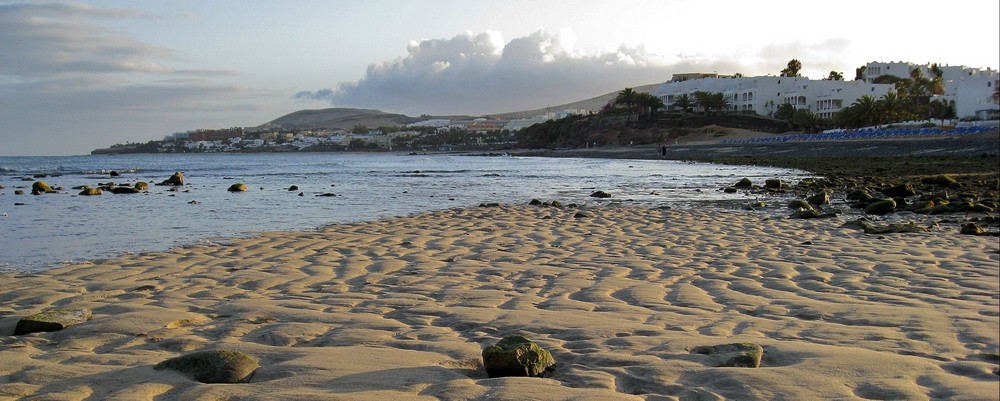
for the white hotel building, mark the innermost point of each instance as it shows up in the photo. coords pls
(969, 89)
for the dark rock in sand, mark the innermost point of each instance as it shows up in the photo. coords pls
(744, 183)
(737, 355)
(218, 366)
(881, 207)
(516, 356)
(175, 179)
(52, 320)
(895, 228)
(811, 214)
(238, 187)
(600, 194)
(972, 229)
(40, 187)
(491, 204)
(535, 202)
(580, 215)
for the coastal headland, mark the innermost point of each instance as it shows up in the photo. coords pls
(631, 302)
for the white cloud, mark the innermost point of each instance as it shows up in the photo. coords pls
(480, 73)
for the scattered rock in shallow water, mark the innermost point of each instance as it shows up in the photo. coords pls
(900, 190)
(600, 194)
(859, 195)
(142, 186)
(516, 356)
(114, 173)
(799, 204)
(124, 190)
(535, 202)
(972, 229)
(18, 192)
(327, 194)
(88, 191)
(822, 198)
(238, 187)
(175, 179)
(293, 188)
(737, 355)
(490, 204)
(744, 183)
(218, 366)
(52, 320)
(40, 187)
(881, 207)
(775, 184)
(730, 190)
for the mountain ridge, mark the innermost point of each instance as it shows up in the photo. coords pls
(347, 118)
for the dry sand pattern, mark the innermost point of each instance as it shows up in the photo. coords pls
(402, 308)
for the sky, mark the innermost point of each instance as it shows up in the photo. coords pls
(75, 76)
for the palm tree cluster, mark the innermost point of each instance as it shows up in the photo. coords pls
(641, 103)
(716, 102)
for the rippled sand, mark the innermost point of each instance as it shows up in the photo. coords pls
(402, 308)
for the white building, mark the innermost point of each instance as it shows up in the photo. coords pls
(969, 90)
(763, 95)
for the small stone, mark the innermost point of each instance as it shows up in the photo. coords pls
(40, 187)
(535, 202)
(600, 194)
(142, 186)
(774, 184)
(124, 190)
(881, 207)
(972, 229)
(516, 356)
(293, 188)
(88, 191)
(238, 187)
(743, 183)
(730, 190)
(52, 320)
(218, 366)
(822, 198)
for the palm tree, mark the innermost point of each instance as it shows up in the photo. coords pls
(792, 69)
(865, 112)
(719, 102)
(835, 76)
(684, 102)
(892, 107)
(648, 104)
(627, 97)
(703, 100)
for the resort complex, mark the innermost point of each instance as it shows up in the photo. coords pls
(969, 92)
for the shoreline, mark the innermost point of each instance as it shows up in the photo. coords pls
(403, 307)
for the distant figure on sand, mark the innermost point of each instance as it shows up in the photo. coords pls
(663, 150)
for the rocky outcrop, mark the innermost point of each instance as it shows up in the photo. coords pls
(516, 356)
(176, 179)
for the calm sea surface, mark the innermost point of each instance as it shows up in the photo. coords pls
(39, 232)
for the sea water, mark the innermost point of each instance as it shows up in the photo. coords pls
(39, 232)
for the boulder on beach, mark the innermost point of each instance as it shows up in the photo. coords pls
(142, 186)
(895, 228)
(821, 198)
(238, 187)
(600, 194)
(881, 207)
(775, 184)
(743, 183)
(40, 187)
(175, 179)
(218, 366)
(516, 356)
(799, 204)
(736, 355)
(730, 190)
(52, 320)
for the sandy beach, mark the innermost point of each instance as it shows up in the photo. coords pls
(402, 309)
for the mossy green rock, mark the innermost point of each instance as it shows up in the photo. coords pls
(939, 180)
(516, 356)
(881, 207)
(218, 366)
(745, 182)
(142, 186)
(40, 187)
(737, 355)
(52, 320)
(88, 191)
(238, 187)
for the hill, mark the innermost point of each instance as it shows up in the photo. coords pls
(347, 118)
